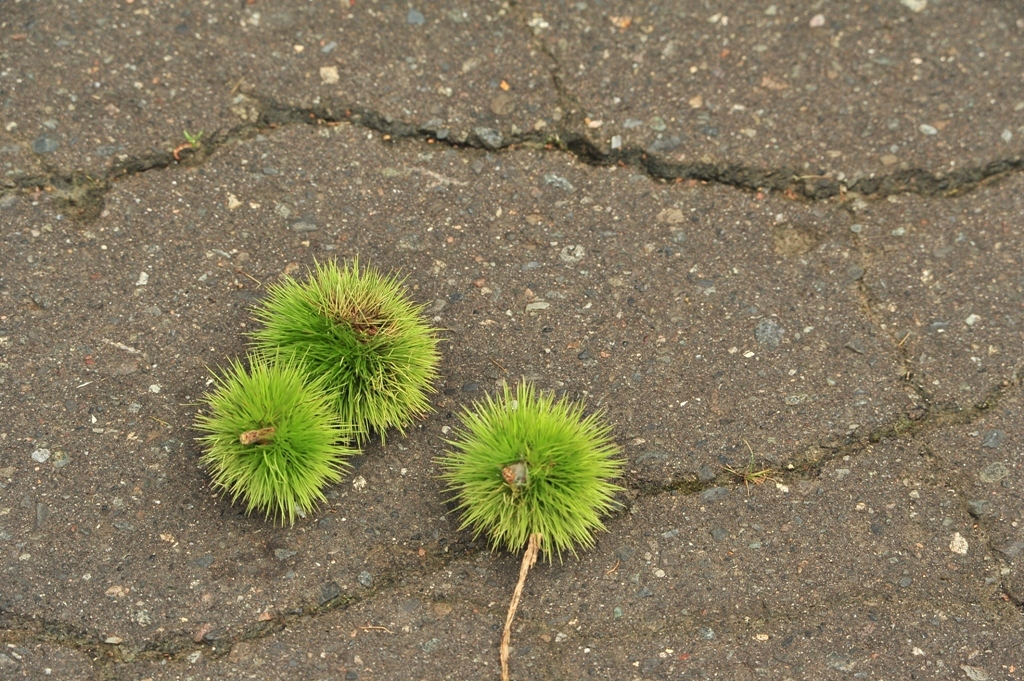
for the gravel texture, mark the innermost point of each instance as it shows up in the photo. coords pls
(809, 348)
(947, 284)
(850, 93)
(109, 88)
(807, 579)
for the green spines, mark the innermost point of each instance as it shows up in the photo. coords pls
(526, 463)
(339, 356)
(272, 437)
(359, 332)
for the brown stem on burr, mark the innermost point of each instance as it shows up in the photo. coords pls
(529, 558)
(263, 436)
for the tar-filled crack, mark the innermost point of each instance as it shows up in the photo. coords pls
(84, 194)
(808, 464)
(105, 654)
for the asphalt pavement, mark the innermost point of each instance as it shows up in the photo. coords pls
(780, 247)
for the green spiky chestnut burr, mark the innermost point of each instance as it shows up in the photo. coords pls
(526, 464)
(273, 438)
(532, 472)
(358, 330)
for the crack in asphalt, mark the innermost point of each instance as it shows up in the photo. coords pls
(929, 416)
(869, 303)
(216, 643)
(84, 194)
(808, 464)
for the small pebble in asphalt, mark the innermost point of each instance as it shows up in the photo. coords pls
(977, 507)
(329, 592)
(572, 254)
(45, 145)
(558, 182)
(42, 513)
(993, 439)
(768, 333)
(857, 345)
(415, 17)
(366, 579)
(204, 561)
(714, 494)
(994, 472)
(663, 145)
(489, 138)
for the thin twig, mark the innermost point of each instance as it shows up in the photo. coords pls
(373, 627)
(258, 282)
(121, 346)
(529, 558)
(495, 362)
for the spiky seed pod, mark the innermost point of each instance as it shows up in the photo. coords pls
(359, 331)
(272, 438)
(527, 464)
